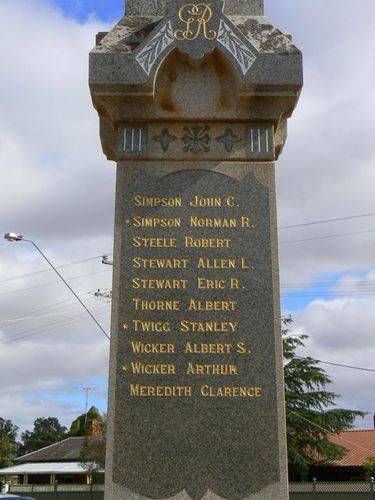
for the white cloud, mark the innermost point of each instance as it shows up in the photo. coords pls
(57, 188)
(327, 168)
(342, 331)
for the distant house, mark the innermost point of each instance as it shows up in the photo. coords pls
(57, 463)
(360, 445)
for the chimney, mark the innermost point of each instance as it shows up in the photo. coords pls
(94, 428)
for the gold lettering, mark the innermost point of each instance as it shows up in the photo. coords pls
(159, 284)
(156, 305)
(154, 242)
(198, 201)
(212, 305)
(156, 222)
(151, 326)
(137, 390)
(215, 369)
(231, 392)
(234, 283)
(191, 348)
(204, 263)
(191, 242)
(139, 263)
(212, 222)
(142, 201)
(208, 326)
(153, 369)
(242, 349)
(149, 348)
(210, 284)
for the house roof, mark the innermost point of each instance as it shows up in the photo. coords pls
(360, 445)
(45, 468)
(67, 450)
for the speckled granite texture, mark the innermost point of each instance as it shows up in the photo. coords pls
(246, 438)
(181, 120)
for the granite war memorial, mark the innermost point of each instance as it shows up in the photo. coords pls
(193, 100)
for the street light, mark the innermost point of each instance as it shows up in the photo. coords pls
(13, 237)
(106, 260)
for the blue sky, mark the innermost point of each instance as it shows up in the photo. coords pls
(105, 10)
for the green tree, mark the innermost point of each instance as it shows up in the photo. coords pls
(369, 467)
(46, 431)
(311, 412)
(92, 453)
(80, 425)
(92, 456)
(8, 442)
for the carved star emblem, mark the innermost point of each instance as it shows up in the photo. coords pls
(164, 139)
(228, 139)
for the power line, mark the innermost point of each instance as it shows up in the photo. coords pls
(10, 322)
(327, 237)
(48, 325)
(372, 370)
(45, 308)
(38, 331)
(50, 306)
(48, 270)
(53, 282)
(322, 295)
(297, 285)
(339, 219)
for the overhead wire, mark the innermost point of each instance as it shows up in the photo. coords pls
(330, 432)
(29, 316)
(338, 219)
(339, 283)
(327, 237)
(48, 270)
(36, 331)
(53, 282)
(372, 370)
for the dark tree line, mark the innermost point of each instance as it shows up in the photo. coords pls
(45, 431)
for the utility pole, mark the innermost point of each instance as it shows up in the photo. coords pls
(87, 390)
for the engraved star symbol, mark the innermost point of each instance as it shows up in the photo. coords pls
(165, 138)
(228, 139)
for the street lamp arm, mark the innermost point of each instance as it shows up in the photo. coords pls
(13, 237)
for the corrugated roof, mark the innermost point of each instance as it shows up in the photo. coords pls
(45, 468)
(66, 450)
(360, 445)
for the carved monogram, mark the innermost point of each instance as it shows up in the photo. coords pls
(196, 28)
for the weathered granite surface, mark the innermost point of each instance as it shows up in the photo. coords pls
(191, 108)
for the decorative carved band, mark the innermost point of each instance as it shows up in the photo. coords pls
(203, 141)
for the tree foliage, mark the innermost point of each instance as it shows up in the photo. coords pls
(92, 453)
(8, 442)
(46, 431)
(311, 412)
(369, 467)
(81, 424)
